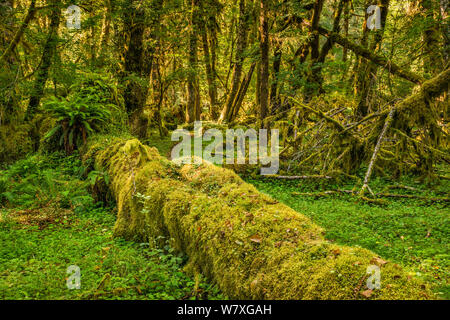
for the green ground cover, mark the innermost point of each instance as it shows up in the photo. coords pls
(412, 232)
(49, 222)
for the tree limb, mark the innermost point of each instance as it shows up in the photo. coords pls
(377, 59)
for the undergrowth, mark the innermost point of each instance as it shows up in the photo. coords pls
(48, 221)
(412, 232)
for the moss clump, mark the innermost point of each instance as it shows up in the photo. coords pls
(252, 246)
(15, 142)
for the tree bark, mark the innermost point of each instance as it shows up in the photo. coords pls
(106, 28)
(264, 48)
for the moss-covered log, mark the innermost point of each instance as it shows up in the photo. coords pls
(249, 244)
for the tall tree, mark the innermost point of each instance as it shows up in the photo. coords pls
(193, 104)
(238, 61)
(135, 73)
(367, 71)
(209, 53)
(47, 54)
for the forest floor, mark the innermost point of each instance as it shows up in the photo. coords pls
(50, 222)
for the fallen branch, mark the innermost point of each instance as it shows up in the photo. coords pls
(322, 194)
(336, 123)
(386, 126)
(300, 177)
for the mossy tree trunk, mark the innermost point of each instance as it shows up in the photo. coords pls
(264, 50)
(274, 97)
(209, 57)
(432, 52)
(136, 74)
(313, 87)
(106, 31)
(193, 103)
(366, 74)
(47, 56)
(241, 93)
(328, 45)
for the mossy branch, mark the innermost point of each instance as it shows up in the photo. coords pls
(375, 58)
(336, 123)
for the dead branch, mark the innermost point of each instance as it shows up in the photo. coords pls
(386, 126)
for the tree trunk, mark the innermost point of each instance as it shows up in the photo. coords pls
(238, 61)
(329, 43)
(193, 104)
(106, 28)
(274, 98)
(264, 47)
(47, 55)
(367, 70)
(135, 94)
(346, 26)
(209, 73)
(313, 78)
(432, 58)
(242, 91)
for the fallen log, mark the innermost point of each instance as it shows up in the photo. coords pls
(249, 244)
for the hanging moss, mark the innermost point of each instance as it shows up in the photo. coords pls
(249, 244)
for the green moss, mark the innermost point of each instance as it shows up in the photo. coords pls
(15, 142)
(252, 246)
